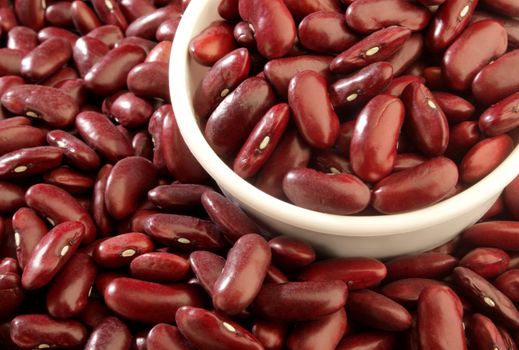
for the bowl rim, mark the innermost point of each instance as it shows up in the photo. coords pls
(362, 226)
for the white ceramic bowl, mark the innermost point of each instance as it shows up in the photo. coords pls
(375, 236)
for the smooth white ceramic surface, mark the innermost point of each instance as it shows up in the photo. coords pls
(375, 236)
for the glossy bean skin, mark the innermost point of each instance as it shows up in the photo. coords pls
(166, 337)
(300, 301)
(498, 234)
(440, 319)
(340, 194)
(324, 333)
(34, 330)
(500, 117)
(247, 103)
(135, 9)
(70, 180)
(177, 196)
(29, 229)
(104, 137)
(456, 108)
(8, 18)
(377, 311)
(272, 335)
(407, 291)
(357, 273)
(487, 262)
(109, 34)
(11, 197)
(160, 53)
(11, 61)
(462, 137)
(484, 334)
(9, 265)
(86, 52)
(478, 163)
(301, 9)
(109, 12)
(179, 160)
(146, 25)
(405, 161)
(367, 16)
(242, 275)
(415, 188)
(109, 74)
(52, 105)
(11, 294)
(207, 330)
(325, 31)
(63, 207)
(75, 150)
(207, 267)
(119, 251)
(331, 162)
(398, 84)
(213, 43)
(291, 252)
(159, 267)
(228, 9)
(376, 47)
(229, 218)
(362, 86)
(425, 265)
(427, 121)
(48, 33)
(507, 284)
(215, 85)
(505, 7)
(367, 341)
(149, 79)
(26, 162)
(83, 17)
(149, 302)
(131, 111)
(463, 59)
(184, 232)
(511, 25)
(51, 253)
(274, 27)
(61, 76)
(509, 341)
(59, 14)
(22, 38)
(69, 290)
(30, 13)
(485, 297)
(407, 55)
(111, 333)
(372, 156)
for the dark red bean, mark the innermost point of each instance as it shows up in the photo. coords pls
(487, 262)
(368, 341)
(29, 229)
(146, 25)
(508, 284)
(207, 268)
(70, 180)
(331, 162)
(511, 198)
(22, 38)
(48, 33)
(11, 197)
(511, 25)
(425, 265)
(7, 18)
(207, 330)
(26, 162)
(483, 333)
(41, 331)
(30, 13)
(406, 161)
(497, 234)
(111, 333)
(11, 61)
(145, 44)
(69, 290)
(60, 76)
(11, 294)
(271, 335)
(149, 79)
(160, 53)
(109, 34)
(408, 54)
(301, 9)
(501, 117)
(120, 250)
(508, 339)
(159, 267)
(51, 253)
(99, 212)
(87, 51)
(142, 145)
(9, 265)
(177, 196)
(75, 150)
(456, 108)
(109, 12)
(59, 14)
(505, 7)
(398, 85)
(149, 302)
(83, 17)
(166, 337)
(213, 43)
(462, 137)
(94, 312)
(440, 319)
(14, 121)
(291, 252)
(357, 273)
(407, 291)
(133, 9)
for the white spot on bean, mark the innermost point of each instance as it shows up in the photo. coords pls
(465, 11)
(489, 301)
(334, 170)
(128, 253)
(64, 250)
(20, 169)
(43, 4)
(374, 50)
(252, 28)
(17, 239)
(264, 143)
(183, 240)
(431, 104)
(352, 97)
(32, 114)
(51, 221)
(90, 290)
(224, 92)
(109, 5)
(44, 346)
(229, 327)
(61, 144)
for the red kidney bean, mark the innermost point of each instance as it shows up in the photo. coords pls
(61, 76)
(483, 333)
(357, 273)
(83, 17)
(109, 74)
(511, 25)
(94, 312)
(177, 196)
(408, 54)
(86, 52)
(228, 9)
(159, 267)
(427, 121)
(179, 160)
(48, 33)
(331, 162)
(407, 291)
(146, 25)
(11, 294)
(70, 180)
(30, 13)
(384, 114)
(11, 197)
(10, 62)
(143, 145)
(103, 279)
(213, 43)
(247, 103)
(508, 284)
(109, 34)
(464, 58)
(155, 130)
(273, 24)
(487, 262)
(229, 218)
(51, 253)
(111, 333)
(406, 161)
(497, 234)
(76, 151)
(325, 31)
(160, 53)
(377, 311)
(14, 121)
(6, 82)
(501, 117)
(301, 9)
(133, 9)
(505, 7)
(207, 330)
(166, 337)
(9, 265)
(398, 85)
(440, 319)
(275, 275)
(41, 331)
(103, 136)
(456, 108)
(368, 341)
(207, 267)
(300, 301)
(415, 188)
(7, 17)
(376, 47)
(149, 79)
(341, 194)
(291, 252)
(425, 265)
(26, 162)
(462, 137)
(149, 302)
(22, 38)
(272, 335)
(69, 290)
(367, 16)
(484, 157)
(59, 14)
(120, 250)
(99, 212)
(324, 333)
(507, 338)
(485, 296)
(166, 30)
(215, 85)
(29, 229)
(52, 105)
(242, 275)
(109, 12)
(184, 232)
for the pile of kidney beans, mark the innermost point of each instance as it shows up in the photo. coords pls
(113, 237)
(364, 106)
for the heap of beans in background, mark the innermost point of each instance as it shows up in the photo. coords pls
(366, 106)
(113, 238)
